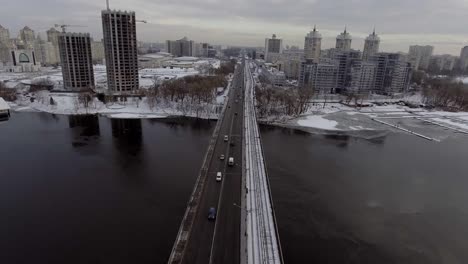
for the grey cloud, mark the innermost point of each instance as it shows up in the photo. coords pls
(216, 20)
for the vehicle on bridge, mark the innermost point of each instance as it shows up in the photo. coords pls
(231, 161)
(219, 176)
(221, 157)
(212, 214)
(226, 138)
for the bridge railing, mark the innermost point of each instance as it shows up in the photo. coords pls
(263, 244)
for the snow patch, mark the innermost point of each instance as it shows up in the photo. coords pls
(317, 121)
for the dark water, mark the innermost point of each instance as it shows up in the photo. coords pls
(398, 199)
(95, 190)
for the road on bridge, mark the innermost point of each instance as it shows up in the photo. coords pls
(219, 241)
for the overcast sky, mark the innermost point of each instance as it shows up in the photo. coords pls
(399, 23)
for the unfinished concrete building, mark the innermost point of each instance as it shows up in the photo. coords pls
(77, 63)
(120, 45)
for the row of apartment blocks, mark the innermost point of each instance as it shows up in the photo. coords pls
(189, 48)
(348, 72)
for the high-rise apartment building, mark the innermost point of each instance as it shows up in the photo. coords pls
(120, 45)
(420, 56)
(273, 48)
(464, 58)
(322, 77)
(343, 41)
(27, 36)
(77, 63)
(4, 35)
(345, 60)
(312, 46)
(393, 73)
(181, 47)
(362, 77)
(371, 46)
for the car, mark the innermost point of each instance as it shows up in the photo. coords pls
(219, 176)
(231, 161)
(212, 214)
(221, 157)
(226, 138)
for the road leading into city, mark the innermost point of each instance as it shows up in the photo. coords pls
(219, 241)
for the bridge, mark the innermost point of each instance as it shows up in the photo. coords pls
(245, 229)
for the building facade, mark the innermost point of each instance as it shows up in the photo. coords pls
(181, 48)
(120, 46)
(371, 46)
(313, 46)
(362, 77)
(343, 41)
(77, 62)
(98, 53)
(464, 58)
(273, 48)
(393, 73)
(321, 77)
(345, 59)
(27, 36)
(420, 56)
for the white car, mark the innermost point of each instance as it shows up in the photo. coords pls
(221, 157)
(219, 176)
(226, 138)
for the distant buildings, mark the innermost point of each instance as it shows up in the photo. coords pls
(181, 48)
(343, 41)
(98, 52)
(371, 46)
(120, 45)
(464, 58)
(77, 63)
(313, 46)
(420, 56)
(347, 72)
(273, 48)
(27, 36)
(441, 63)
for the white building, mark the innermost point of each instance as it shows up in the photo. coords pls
(312, 46)
(27, 36)
(97, 50)
(371, 46)
(273, 48)
(343, 41)
(22, 60)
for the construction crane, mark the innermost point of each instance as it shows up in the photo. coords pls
(65, 26)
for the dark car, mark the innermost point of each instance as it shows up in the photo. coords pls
(212, 213)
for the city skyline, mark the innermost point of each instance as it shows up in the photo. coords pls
(399, 25)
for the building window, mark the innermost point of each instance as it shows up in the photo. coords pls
(23, 58)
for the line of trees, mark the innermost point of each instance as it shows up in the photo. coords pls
(6, 93)
(445, 93)
(273, 101)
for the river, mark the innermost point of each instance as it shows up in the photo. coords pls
(95, 190)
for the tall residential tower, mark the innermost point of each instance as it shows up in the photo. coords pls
(77, 64)
(343, 41)
(120, 45)
(273, 48)
(312, 46)
(371, 46)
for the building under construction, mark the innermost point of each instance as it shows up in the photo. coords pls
(120, 45)
(77, 63)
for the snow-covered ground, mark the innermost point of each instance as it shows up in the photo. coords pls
(147, 76)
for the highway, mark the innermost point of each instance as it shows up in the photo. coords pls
(219, 241)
